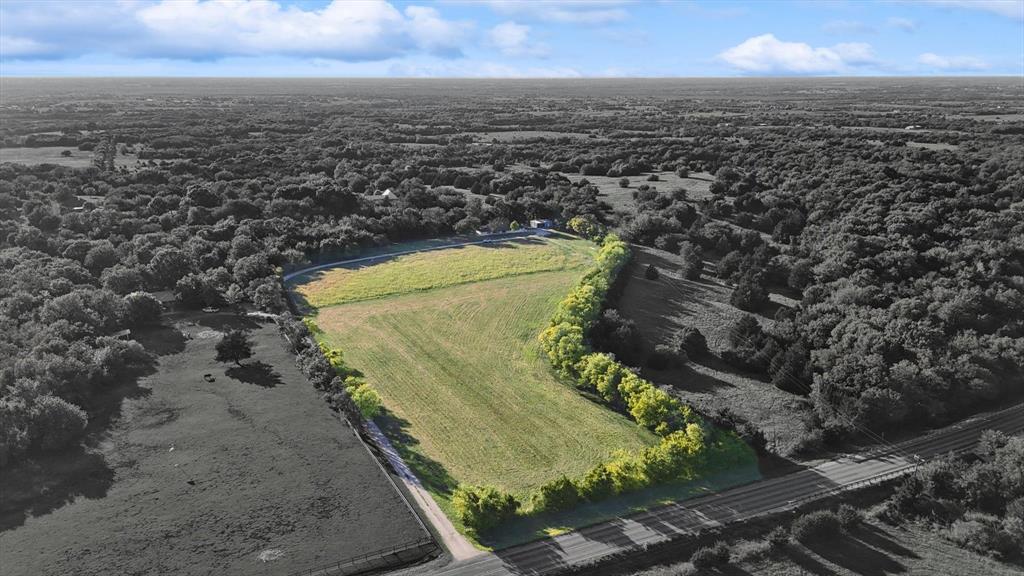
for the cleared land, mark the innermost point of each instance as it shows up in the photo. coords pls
(197, 477)
(32, 156)
(432, 270)
(469, 398)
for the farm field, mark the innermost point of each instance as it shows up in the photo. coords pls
(33, 156)
(661, 307)
(432, 270)
(198, 477)
(468, 396)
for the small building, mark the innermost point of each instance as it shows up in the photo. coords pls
(122, 334)
(544, 223)
(387, 194)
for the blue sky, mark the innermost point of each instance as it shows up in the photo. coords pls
(499, 38)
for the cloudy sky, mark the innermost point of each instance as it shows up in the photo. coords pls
(499, 38)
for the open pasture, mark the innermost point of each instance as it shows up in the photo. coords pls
(439, 269)
(469, 397)
(199, 476)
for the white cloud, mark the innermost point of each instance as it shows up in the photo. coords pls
(1009, 8)
(565, 11)
(513, 39)
(767, 54)
(18, 46)
(905, 24)
(349, 30)
(952, 63)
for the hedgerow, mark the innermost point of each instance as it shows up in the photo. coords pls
(689, 448)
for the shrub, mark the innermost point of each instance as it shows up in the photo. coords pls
(816, 526)
(598, 484)
(56, 422)
(651, 273)
(367, 401)
(690, 341)
(624, 183)
(558, 494)
(849, 517)
(710, 557)
(983, 534)
(653, 178)
(777, 539)
(481, 508)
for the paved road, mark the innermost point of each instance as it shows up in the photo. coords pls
(772, 495)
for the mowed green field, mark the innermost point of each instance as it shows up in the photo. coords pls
(441, 268)
(469, 397)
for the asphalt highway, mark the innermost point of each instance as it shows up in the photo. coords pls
(745, 502)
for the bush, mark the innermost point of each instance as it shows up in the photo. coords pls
(624, 183)
(56, 423)
(558, 494)
(816, 526)
(367, 401)
(983, 534)
(690, 341)
(651, 273)
(849, 517)
(778, 540)
(708, 558)
(481, 508)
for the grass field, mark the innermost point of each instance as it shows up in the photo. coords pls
(432, 270)
(52, 155)
(468, 396)
(196, 477)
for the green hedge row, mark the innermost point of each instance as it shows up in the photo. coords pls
(689, 449)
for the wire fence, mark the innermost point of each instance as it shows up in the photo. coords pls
(393, 556)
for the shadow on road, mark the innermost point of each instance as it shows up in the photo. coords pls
(541, 557)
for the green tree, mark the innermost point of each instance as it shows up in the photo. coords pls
(558, 494)
(481, 508)
(367, 401)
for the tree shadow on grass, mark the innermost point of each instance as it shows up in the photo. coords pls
(809, 564)
(856, 557)
(880, 539)
(258, 373)
(431, 473)
(160, 340)
(46, 482)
